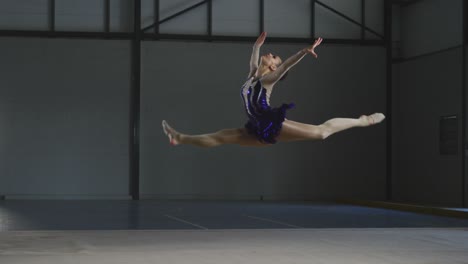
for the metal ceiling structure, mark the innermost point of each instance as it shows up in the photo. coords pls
(154, 34)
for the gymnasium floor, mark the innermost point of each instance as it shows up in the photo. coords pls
(224, 232)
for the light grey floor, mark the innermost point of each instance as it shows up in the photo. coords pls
(85, 232)
(343, 245)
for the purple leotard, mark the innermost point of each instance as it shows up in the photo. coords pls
(265, 122)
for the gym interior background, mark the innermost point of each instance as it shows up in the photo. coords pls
(84, 86)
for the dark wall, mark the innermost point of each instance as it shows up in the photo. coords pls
(430, 88)
(64, 118)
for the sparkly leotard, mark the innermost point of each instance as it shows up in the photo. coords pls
(265, 122)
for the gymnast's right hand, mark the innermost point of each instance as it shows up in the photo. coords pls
(260, 39)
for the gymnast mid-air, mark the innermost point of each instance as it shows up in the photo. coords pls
(267, 125)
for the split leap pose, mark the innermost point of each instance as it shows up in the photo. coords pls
(267, 125)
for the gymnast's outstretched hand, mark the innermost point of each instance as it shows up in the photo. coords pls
(261, 39)
(311, 49)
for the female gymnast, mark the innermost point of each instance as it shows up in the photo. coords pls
(266, 125)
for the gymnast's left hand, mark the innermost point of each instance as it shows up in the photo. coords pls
(311, 49)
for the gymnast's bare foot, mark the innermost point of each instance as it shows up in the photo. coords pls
(171, 133)
(372, 119)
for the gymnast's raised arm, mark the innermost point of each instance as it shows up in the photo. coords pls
(255, 54)
(276, 75)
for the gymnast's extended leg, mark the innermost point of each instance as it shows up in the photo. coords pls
(237, 136)
(291, 131)
(294, 131)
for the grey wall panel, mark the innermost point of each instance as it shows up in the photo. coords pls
(71, 15)
(351, 8)
(395, 127)
(465, 144)
(195, 86)
(24, 14)
(429, 87)
(147, 12)
(431, 25)
(121, 15)
(64, 117)
(192, 22)
(396, 32)
(241, 17)
(331, 25)
(79, 15)
(374, 17)
(284, 19)
(169, 7)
